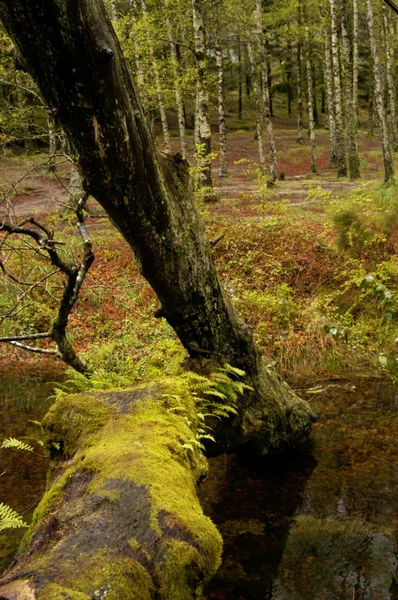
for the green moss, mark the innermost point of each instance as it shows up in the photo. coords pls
(181, 574)
(72, 417)
(134, 453)
(103, 574)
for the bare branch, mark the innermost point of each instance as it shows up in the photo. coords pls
(37, 350)
(31, 336)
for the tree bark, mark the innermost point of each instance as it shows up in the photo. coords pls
(259, 105)
(351, 120)
(159, 90)
(338, 102)
(221, 113)
(202, 114)
(300, 137)
(120, 518)
(390, 80)
(329, 91)
(387, 158)
(310, 103)
(240, 83)
(178, 93)
(72, 52)
(265, 90)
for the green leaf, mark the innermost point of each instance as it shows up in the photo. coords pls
(17, 444)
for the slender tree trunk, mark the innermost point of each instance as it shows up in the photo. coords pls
(202, 115)
(265, 90)
(269, 79)
(178, 93)
(300, 137)
(159, 90)
(355, 60)
(338, 103)
(392, 100)
(289, 70)
(52, 141)
(240, 83)
(255, 79)
(353, 158)
(388, 163)
(310, 103)
(329, 93)
(221, 112)
(371, 119)
(314, 99)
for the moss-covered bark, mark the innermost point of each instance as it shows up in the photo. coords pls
(72, 52)
(120, 518)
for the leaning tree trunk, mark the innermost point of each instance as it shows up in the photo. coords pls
(73, 52)
(120, 519)
(388, 163)
(338, 103)
(202, 114)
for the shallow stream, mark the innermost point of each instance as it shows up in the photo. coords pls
(315, 525)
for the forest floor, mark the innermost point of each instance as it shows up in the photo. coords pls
(39, 191)
(279, 260)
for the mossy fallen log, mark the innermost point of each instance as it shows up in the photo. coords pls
(120, 518)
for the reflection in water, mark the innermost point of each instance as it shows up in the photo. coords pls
(295, 532)
(23, 398)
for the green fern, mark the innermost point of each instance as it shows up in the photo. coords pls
(9, 519)
(17, 444)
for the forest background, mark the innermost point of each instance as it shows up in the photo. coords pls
(288, 118)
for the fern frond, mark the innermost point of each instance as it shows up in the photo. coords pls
(234, 370)
(17, 444)
(9, 519)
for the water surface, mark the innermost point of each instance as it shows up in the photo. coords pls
(315, 526)
(24, 397)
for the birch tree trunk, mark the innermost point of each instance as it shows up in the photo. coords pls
(387, 158)
(52, 141)
(202, 114)
(221, 112)
(159, 90)
(355, 59)
(258, 98)
(178, 93)
(300, 137)
(310, 103)
(265, 90)
(240, 82)
(329, 90)
(392, 100)
(338, 102)
(351, 117)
